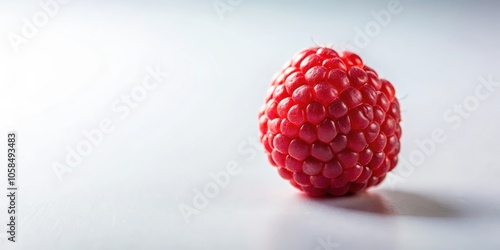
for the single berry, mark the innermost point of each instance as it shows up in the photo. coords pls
(329, 124)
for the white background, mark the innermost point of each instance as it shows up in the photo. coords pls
(126, 193)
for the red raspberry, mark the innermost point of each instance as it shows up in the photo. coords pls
(329, 124)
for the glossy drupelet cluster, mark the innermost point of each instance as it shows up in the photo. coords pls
(329, 124)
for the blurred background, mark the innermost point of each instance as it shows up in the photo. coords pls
(130, 114)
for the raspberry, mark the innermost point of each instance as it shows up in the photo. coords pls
(329, 124)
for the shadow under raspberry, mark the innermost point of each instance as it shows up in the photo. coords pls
(390, 203)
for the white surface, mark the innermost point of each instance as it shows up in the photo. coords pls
(126, 193)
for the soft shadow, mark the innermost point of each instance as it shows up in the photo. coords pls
(390, 203)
